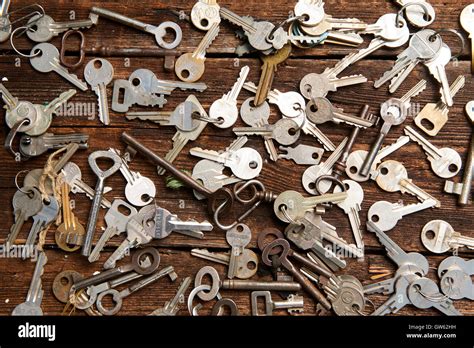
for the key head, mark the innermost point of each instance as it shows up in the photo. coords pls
(311, 174)
(71, 172)
(312, 12)
(286, 131)
(116, 300)
(291, 202)
(426, 43)
(268, 302)
(24, 110)
(103, 174)
(183, 116)
(470, 111)
(29, 203)
(204, 15)
(254, 115)
(292, 103)
(247, 163)
(420, 291)
(162, 226)
(390, 29)
(239, 236)
(32, 146)
(224, 111)
(355, 195)
(453, 262)
(262, 239)
(141, 192)
(383, 215)
(27, 309)
(394, 111)
(40, 28)
(98, 71)
(457, 284)
(70, 237)
(349, 301)
(62, 284)
(43, 121)
(314, 86)
(119, 214)
(258, 39)
(247, 264)
(282, 244)
(319, 110)
(436, 236)
(189, 68)
(161, 31)
(49, 210)
(5, 28)
(467, 19)
(214, 288)
(448, 165)
(304, 236)
(146, 261)
(416, 15)
(47, 55)
(389, 175)
(354, 165)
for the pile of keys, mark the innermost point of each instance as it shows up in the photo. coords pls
(308, 255)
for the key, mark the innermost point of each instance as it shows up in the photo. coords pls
(116, 219)
(310, 128)
(302, 154)
(158, 31)
(99, 191)
(17, 111)
(319, 85)
(245, 163)
(445, 162)
(421, 48)
(119, 296)
(464, 189)
(99, 73)
(165, 223)
(352, 207)
(254, 115)
(393, 112)
(70, 234)
(424, 293)
(393, 177)
(25, 205)
(190, 67)
(36, 146)
(269, 67)
(172, 307)
(293, 304)
(284, 131)
(139, 190)
(385, 215)
(47, 214)
(32, 305)
(311, 174)
(321, 110)
(466, 19)
(312, 10)
(346, 294)
(432, 118)
(439, 237)
(5, 25)
(45, 28)
(436, 66)
(329, 24)
(225, 109)
(292, 205)
(399, 299)
(456, 284)
(205, 13)
(47, 60)
(238, 238)
(416, 15)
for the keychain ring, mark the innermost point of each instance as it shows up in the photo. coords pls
(455, 32)
(16, 50)
(397, 18)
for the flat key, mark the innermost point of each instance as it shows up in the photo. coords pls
(424, 293)
(238, 238)
(439, 237)
(99, 73)
(436, 67)
(166, 223)
(172, 307)
(285, 131)
(46, 27)
(36, 146)
(467, 20)
(48, 213)
(302, 154)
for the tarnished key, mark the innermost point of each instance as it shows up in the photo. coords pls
(36, 146)
(45, 27)
(302, 154)
(238, 238)
(98, 74)
(439, 237)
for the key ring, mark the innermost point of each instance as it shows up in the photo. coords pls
(455, 32)
(18, 186)
(397, 18)
(15, 49)
(40, 14)
(82, 52)
(200, 117)
(329, 178)
(285, 22)
(11, 135)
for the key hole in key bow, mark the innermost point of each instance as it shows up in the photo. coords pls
(136, 82)
(427, 124)
(64, 281)
(313, 108)
(185, 73)
(430, 234)
(104, 163)
(315, 155)
(253, 165)
(384, 171)
(453, 168)
(251, 265)
(204, 23)
(97, 64)
(124, 210)
(170, 35)
(108, 302)
(375, 218)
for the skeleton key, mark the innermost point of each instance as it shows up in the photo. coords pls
(436, 67)
(269, 68)
(394, 112)
(445, 162)
(99, 73)
(48, 213)
(36, 146)
(44, 28)
(225, 108)
(467, 18)
(439, 237)
(5, 25)
(159, 32)
(32, 305)
(238, 238)
(190, 66)
(302, 154)
(99, 191)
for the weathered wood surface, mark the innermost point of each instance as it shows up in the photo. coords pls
(26, 83)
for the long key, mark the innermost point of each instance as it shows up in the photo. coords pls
(172, 307)
(190, 66)
(116, 222)
(394, 112)
(302, 154)
(238, 238)
(225, 109)
(158, 31)
(48, 213)
(165, 223)
(99, 73)
(439, 237)
(436, 66)
(445, 162)
(46, 27)
(46, 59)
(467, 20)
(32, 305)
(36, 146)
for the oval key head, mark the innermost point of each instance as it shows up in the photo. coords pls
(98, 71)
(390, 174)
(282, 244)
(382, 215)
(103, 174)
(448, 165)
(467, 19)
(286, 131)
(47, 54)
(319, 110)
(204, 15)
(212, 273)
(436, 236)
(354, 164)
(248, 163)
(290, 202)
(40, 25)
(239, 236)
(470, 111)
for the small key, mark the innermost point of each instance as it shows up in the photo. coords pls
(439, 237)
(436, 66)
(417, 15)
(424, 293)
(225, 109)
(269, 68)
(394, 112)
(254, 115)
(302, 154)
(99, 73)
(47, 214)
(238, 238)
(99, 191)
(116, 221)
(284, 131)
(190, 66)
(172, 307)
(32, 305)
(445, 162)
(467, 17)
(159, 32)
(17, 110)
(46, 59)
(45, 28)
(165, 223)
(25, 205)
(205, 13)
(5, 24)
(36, 146)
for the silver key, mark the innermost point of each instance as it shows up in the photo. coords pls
(98, 74)
(158, 31)
(225, 108)
(294, 303)
(165, 223)
(48, 213)
(17, 110)
(302, 154)
(312, 10)
(172, 307)
(205, 13)
(5, 24)
(32, 305)
(436, 67)
(399, 299)
(284, 131)
(417, 15)
(238, 238)
(254, 115)
(47, 60)
(36, 146)
(44, 28)
(439, 237)
(424, 293)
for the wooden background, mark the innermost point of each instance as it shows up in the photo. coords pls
(221, 72)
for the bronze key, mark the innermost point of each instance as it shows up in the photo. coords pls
(269, 68)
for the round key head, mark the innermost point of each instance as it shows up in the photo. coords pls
(354, 165)
(62, 284)
(103, 174)
(161, 32)
(448, 165)
(311, 175)
(119, 214)
(43, 121)
(146, 261)
(239, 236)
(452, 262)
(355, 194)
(291, 104)
(143, 79)
(27, 309)
(71, 171)
(116, 300)
(286, 131)
(348, 301)
(417, 16)
(420, 291)
(381, 213)
(40, 28)
(70, 236)
(247, 264)
(204, 15)
(264, 236)
(470, 111)
(258, 38)
(141, 192)
(24, 110)
(436, 236)
(390, 174)
(319, 110)
(254, 115)
(225, 112)
(47, 54)
(98, 71)
(188, 68)
(313, 86)
(30, 203)
(288, 205)
(467, 19)
(313, 14)
(214, 288)
(247, 164)
(5, 28)
(390, 29)
(427, 43)
(282, 244)
(457, 284)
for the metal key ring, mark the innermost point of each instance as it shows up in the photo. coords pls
(16, 182)
(267, 251)
(15, 49)
(218, 309)
(214, 288)
(329, 178)
(285, 22)
(397, 18)
(240, 186)
(82, 53)
(455, 32)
